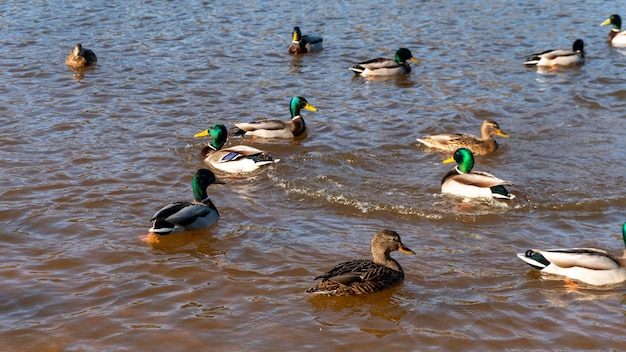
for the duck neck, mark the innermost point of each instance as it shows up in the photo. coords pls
(383, 258)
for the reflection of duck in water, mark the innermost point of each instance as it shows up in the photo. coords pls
(361, 276)
(80, 57)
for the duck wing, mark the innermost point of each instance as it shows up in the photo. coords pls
(590, 258)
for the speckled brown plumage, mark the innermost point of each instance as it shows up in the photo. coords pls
(80, 57)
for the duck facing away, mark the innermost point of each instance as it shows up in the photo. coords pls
(188, 216)
(386, 67)
(552, 58)
(616, 36)
(589, 265)
(302, 44)
(80, 57)
(482, 145)
(235, 159)
(362, 276)
(464, 182)
(277, 128)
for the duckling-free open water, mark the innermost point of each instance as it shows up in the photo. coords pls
(88, 157)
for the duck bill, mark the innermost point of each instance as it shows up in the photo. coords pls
(449, 160)
(202, 134)
(310, 107)
(415, 60)
(405, 249)
(607, 21)
(502, 134)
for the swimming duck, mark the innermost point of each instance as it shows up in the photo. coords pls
(235, 159)
(563, 57)
(277, 128)
(80, 57)
(363, 276)
(464, 182)
(188, 216)
(479, 146)
(386, 67)
(589, 265)
(616, 38)
(302, 44)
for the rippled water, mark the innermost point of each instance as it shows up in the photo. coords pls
(89, 157)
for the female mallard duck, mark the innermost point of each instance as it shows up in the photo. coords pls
(302, 44)
(277, 128)
(479, 146)
(386, 67)
(562, 57)
(363, 276)
(589, 265)
(80, 57)
(464, 182)
(616, 38)
(235, 159)
(188, 216)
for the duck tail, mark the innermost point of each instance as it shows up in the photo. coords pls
(532, 60)
(501, 192)
(534, 259)
(357, 69)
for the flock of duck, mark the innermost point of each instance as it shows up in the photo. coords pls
(587, 265)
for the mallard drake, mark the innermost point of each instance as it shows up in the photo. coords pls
(80, 57)
(464, 182)
(363, 276)
(234, 159)
(302, 44)
(562, 57)
(589, 265)
(188, 216)
(479, 146)
(616, 38)
(277, 128)
(386, 67)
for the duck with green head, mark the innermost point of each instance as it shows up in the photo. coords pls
(386, 67)
(234, 159)
(616, 36)
(465, 182)
(302, 44)
(188, 216)
(478, 145)
(277, 128)
(561, 57)
(362, 276)
(588, 265)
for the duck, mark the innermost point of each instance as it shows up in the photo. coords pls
(386, 67)
(363, 276)
(188, 216)
(615, 37)
(277, 128)
(588, 265)
(234, 159)
(482, 145)
(463, 181)
(80, 57)
(563, 57)
(302, 44)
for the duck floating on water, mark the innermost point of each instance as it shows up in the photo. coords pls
(616, 36)
(464, 182)
(234, 159)
(80, 57)
(188, 216)
(588, 265)
(362, 276)
(482, 145)
(386, 67)
(302, 44)
(563, 57)
(277, 128)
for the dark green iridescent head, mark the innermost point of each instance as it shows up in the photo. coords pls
(403, 54)
(219, 134)
(624, 234)
(615, 21)
(299, 103)
(464, 159)
(201, 180)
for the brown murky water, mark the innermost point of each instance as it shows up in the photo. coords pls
(88, 158)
